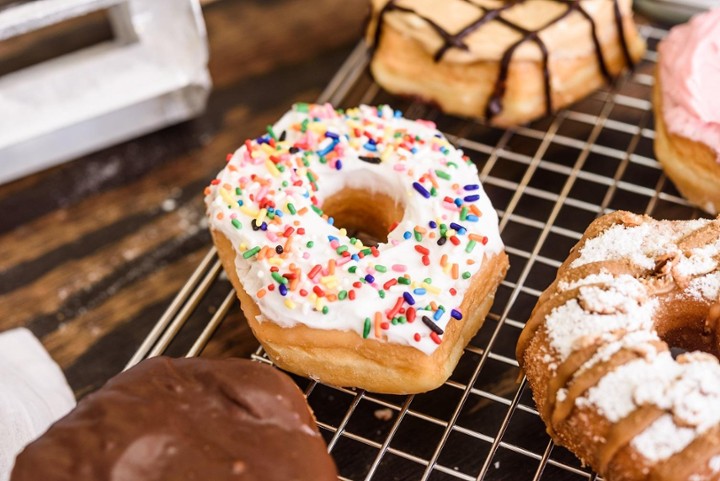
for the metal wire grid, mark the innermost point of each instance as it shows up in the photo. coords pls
(548, 181)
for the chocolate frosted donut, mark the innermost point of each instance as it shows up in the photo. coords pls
(184, 419)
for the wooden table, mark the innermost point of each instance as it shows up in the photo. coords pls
(91, 252)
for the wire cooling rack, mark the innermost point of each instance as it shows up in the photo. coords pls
(548, 181)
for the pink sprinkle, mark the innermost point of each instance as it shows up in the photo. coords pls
(306, 255)
(233, 215)
(334, 244)
(247, 158)
(426, 123)
(341, 261)
(262, 193)
(272, 236)
(395, 242)
(370, 270)
(399, 167)
(399, 267)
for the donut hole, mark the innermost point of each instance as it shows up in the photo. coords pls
(366, 215)
(689, 327)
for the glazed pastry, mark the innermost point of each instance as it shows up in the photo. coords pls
(388, 318)
(506, 61)
(173, 419)
(596, 349)
(687, 110)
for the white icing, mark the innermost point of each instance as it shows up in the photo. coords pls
(706, 287)
(662, 439)
(638, 340)
(715, 464)
(394, 176)
(642, 244)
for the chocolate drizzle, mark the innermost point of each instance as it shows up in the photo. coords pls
(457, 40)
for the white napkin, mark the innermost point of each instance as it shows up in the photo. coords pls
(33, 394)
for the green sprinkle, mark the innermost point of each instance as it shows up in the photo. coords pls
(285, 183)
(452, 164)
(442, 174)
(427, 280)
(402, 319)
(310, 244)
(291, 208)
(466, 275)
(317, 209)
(341, 249)
(380, 268)
(278, 278)
(342, 295)
(381, 293)
(394, 321)
(463, 213)
(280, 167)
(443, 230)
(403, 280)
(433, 192)
(271, 132)
(352, 269)
(238, 191)
(236, 223)
(366, 252)
(470, 246)
(304, 125)
(366, 328)
(325, 309)
(418, 236)
(302, 107)
(250, 252)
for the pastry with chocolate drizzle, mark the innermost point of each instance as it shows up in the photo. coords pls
(507, 61)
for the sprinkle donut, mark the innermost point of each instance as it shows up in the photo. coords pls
(392, 317)
(596, 349)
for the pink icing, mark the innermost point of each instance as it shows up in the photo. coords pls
(690, 79)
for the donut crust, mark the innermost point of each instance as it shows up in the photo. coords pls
(344, 358)
(692, 166)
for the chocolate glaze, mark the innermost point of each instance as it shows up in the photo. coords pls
(456, 40)
(184, 419)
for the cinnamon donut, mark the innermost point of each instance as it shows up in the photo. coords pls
(596, 349)
(182, 419)
(388, 318)
(687, 109)
(506, 61)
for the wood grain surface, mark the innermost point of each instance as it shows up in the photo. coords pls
(91, 252)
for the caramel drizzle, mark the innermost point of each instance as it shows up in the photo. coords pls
(456, 40)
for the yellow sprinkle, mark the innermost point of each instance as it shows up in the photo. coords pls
(390, 150)
(447, 267)
(249, 212)
(313, 297)
(275, 261)
(267, 149)
(243, 246)
(227, 197)
(271, 168)
(327, 279)
(261, 216)
(317, 127)
(290, 304)
(343, 231)
(431, 288)
(319, 303)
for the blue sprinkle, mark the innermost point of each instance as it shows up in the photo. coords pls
(471, 187)
(407, 235)
(409, 298)
(331, 135)
(278, 213)
(422, 190)
(458, 202)
(472, 218)
(370, 279)
(414, 150)
(438, 314)
(458, 228)
(332, 238)
(282, 289)
(398, 114)
(355, 257)
(263, 226)
(240, 203)
(263, 140)
(471, 198)
(338, 164)
(331, 220)
(327, 149)
(370, 147)
(456, 314)
(432, 224)
(420, 291)
(270, 210)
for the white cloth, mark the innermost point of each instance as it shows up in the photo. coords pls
(33, 394)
